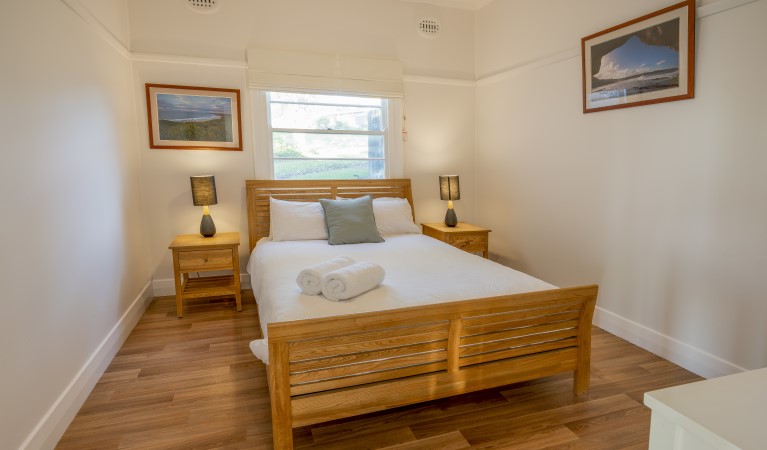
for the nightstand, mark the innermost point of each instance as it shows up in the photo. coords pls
(465, 236)
(194, 253)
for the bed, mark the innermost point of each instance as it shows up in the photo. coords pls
(412, 339)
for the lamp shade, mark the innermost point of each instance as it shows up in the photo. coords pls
(449, 189)
(204, 190)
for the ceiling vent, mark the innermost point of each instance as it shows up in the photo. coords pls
(429, 28)
(203, 6)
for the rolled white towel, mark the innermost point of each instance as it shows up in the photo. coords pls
(310, 279)
(350, 281)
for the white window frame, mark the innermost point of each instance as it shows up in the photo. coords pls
(263, 159)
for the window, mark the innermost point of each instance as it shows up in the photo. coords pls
(317, 136)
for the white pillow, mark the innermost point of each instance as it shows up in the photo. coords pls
(296, 221)
(394, 216)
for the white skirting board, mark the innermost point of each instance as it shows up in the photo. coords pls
(167, 286)
(58, 417)
(691, 358)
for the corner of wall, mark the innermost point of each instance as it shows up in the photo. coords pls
(54, 423)
(685, 355)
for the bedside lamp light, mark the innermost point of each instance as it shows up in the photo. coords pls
(449, 190)
(204, 194)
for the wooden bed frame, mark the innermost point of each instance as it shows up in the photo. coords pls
(331, 368)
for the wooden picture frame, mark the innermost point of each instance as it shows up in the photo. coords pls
(650, 59)
(193, 118)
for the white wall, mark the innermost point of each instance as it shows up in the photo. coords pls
(438, 103)
(440, 123)
(662, 205)
(74, 268)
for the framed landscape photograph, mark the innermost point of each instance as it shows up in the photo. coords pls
(193, 118)
(650, 59)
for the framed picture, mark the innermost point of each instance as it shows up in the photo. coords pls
(647, 60)
(193, 118)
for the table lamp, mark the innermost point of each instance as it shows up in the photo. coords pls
(204, 194)
(449, 190)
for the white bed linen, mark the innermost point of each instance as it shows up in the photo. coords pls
(419, 270)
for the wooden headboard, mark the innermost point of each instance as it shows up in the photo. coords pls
(257, 193)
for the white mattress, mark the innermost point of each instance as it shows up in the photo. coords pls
(419, 270)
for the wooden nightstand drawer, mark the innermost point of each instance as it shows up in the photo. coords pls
(198, 260)
(465, 236)
(469, 243)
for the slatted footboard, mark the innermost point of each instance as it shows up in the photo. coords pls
(330, 368)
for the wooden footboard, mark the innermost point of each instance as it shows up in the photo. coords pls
(330, 368)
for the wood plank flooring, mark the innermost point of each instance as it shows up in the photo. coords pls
(193, 383)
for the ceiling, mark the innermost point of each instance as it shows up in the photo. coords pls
(471, 5)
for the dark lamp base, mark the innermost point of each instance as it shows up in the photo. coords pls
(207, 227)
(450, 219)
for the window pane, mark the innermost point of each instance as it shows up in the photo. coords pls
(347, 141)
(326, 99)
(314, 145)
(323, 169)
(321, 117)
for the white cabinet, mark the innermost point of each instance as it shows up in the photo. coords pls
(721, 413)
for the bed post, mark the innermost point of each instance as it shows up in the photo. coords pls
(581, 375)
(279, 384)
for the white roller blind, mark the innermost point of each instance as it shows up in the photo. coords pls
(282, 70)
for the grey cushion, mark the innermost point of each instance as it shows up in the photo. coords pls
(350, 221)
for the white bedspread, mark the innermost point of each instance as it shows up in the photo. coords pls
(419, 270)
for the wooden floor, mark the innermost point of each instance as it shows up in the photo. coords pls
(193, 383)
